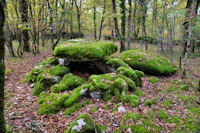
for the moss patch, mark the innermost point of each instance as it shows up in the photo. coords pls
(83, 123)
(69, 81)
(51, 103)
(154, 79)
(75, 50)
(148, 62)
(132, 99)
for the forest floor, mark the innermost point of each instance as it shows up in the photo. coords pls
(176, 103)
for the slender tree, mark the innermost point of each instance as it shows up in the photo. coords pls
(51, 24)
(23, 6)
(95, 22)
(102, 20)
(2, 70)
(189, 40)
(78, 8)
(7, 28)
(129, 24)
(123, 23)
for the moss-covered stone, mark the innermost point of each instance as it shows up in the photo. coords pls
(38, 88)
(32, 75)
(135, 75)
(115, 62)
(138, 92)
(75, 50)
(148, 62)
(148, 102)
(132, 99)
(59, 70)
(69, 81)
(83, 124)
(72, 108)
(51, 103)
(48, 61)
(47, 79)
(76, 94)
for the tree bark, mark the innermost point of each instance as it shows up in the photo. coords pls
(2, 70)
(129, 24)
(24, 12)
(116, 24)
(71, 20)
(188, 41)
(134, 22)
(123, 23)
(95, 22)
(78, 17)
(7, 28)
(186, 25)
(51, 24)
(102, 20)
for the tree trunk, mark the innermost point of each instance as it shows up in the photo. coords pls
(7, 28)
(102, 20)
(134, 22)
(95, 23)
(51, 24)
(129, 24)
(188, 41)
(71, 20)
(78, 18)
(116, 24)
(2, 71)
(24, 11)
(123, 23)
(186, 25)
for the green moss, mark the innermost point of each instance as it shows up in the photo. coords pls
(131, 116)
(129, 72)
(32, 75)
(154, 79)
(48, 61)
(51, 103)
(59, 70)
(94, 108)
(85, 50)
(163, 115)
(117, 95)
(38, 88)
(148, 102)
(132, 99)
(106, 96)
(47, 79)
(115, 62)
(138, 92)
(76, 94)
(72, 108)
(84, 122)
(114, 109)
(101, 128)
(9, 104)
(166, 104)
(69, 81)
(148, 62)
(54, 88)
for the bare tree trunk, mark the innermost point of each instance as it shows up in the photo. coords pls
(95, 23)
(102, 20)
(2, 71)
(25, 37)
(7, 28)
(116, 24)
(71, 20)
(188, 41)
(123, 23)
(134, 22)
(51, 24)
(78, 17)
(129, 24)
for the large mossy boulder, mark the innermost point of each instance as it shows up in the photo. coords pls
(82, 124)
(85, 51)
(148, 62)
